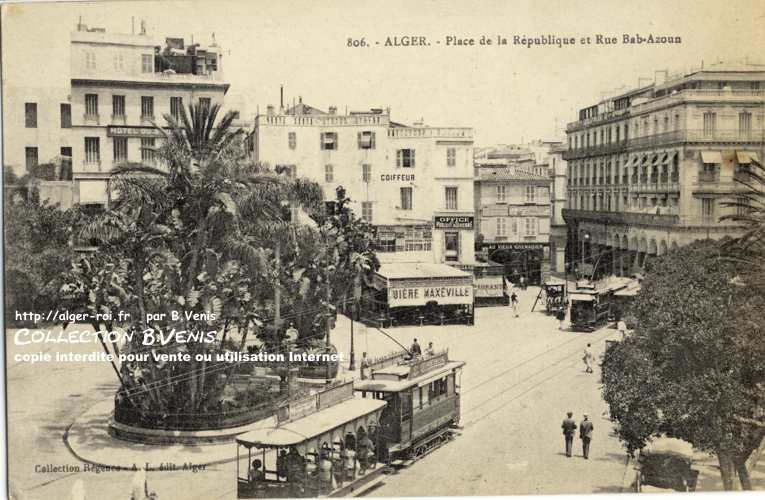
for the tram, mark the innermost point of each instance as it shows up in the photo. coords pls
(594, 304)
(422, 404)
(320, 445)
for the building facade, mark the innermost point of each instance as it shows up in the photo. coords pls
(512, 206)
(414, 184)
(648, 169)
(118, 87)
(558, 196)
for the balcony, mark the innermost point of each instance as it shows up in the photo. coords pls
(709, 177)
(661, 219)
(601, 149)
(90, 119)
(696, 136)
(119, 120)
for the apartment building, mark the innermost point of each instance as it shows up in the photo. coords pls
(512, 205)
(413, 183)
(104, 112)
(649, 168)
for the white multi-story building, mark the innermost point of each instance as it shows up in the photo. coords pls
(648, 169)
(414, 184)
(103, 115)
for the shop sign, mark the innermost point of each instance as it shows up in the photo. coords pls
(513, 246)
(420, 295)
(490, 286)
(397, 177)
(132, 132)
(453, 222)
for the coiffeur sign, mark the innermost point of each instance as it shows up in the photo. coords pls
(402, 295)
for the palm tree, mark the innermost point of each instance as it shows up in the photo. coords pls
(749, 206)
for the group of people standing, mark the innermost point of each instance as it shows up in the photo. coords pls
(585, 433)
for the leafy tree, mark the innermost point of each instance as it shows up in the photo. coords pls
(696, 361)
(37, 246)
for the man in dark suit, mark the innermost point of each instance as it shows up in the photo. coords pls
(569, 429)
(585, 434)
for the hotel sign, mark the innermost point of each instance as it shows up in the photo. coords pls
(453, 222)
(400, 296)
(132, 132)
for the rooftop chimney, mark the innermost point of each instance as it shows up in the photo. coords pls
(281, 97)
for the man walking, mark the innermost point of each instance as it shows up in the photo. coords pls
(569, 429)
(514, 303)
(587, 358)
(585, 434)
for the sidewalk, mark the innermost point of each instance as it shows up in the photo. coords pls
(89, 440)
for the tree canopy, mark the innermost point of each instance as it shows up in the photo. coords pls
(696, 361)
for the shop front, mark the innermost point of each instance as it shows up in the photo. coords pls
(520, 259)
(455, 237)
(421, 293)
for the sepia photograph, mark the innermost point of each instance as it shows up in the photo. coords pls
(302, 249)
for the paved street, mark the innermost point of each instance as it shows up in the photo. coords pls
(522, 374)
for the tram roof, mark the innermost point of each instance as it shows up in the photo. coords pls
(399, 385)
(349, 413)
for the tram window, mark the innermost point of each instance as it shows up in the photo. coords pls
(416, 403)
(450, 384)
(406, 407)
(424, 397)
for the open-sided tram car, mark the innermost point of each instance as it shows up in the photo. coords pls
(321, 445)
(555, 296)
(423, 405)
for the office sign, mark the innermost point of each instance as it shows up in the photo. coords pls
(400, 296)
(453, 222)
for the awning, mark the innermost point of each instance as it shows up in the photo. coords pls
(635, 160)
(655, 159)
(645, 159)
(419, 270)
(711, 157)
(746, 157)
(311, 431)
(665, 159)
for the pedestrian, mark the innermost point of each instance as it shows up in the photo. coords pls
(523, 282)
(585, 434)
(588, 358)
(255, 474)
(415, 350)
(364, 366)
(514, 303)
(569, 429)
(561, 316)
(430, 351)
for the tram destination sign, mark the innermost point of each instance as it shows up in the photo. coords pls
(298, 408)
(338, 394)
(453, 222)
(428, 364)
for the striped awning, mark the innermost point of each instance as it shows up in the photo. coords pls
(746, 157)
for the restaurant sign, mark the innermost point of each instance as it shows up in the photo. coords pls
(453, 222)
(490, 286)
(425, 365)
(335, 395)
(399, 296)
(132, 132)
(298, 408)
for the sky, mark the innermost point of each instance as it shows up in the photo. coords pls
(508, 94)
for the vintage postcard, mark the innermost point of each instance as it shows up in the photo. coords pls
(259, 249)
